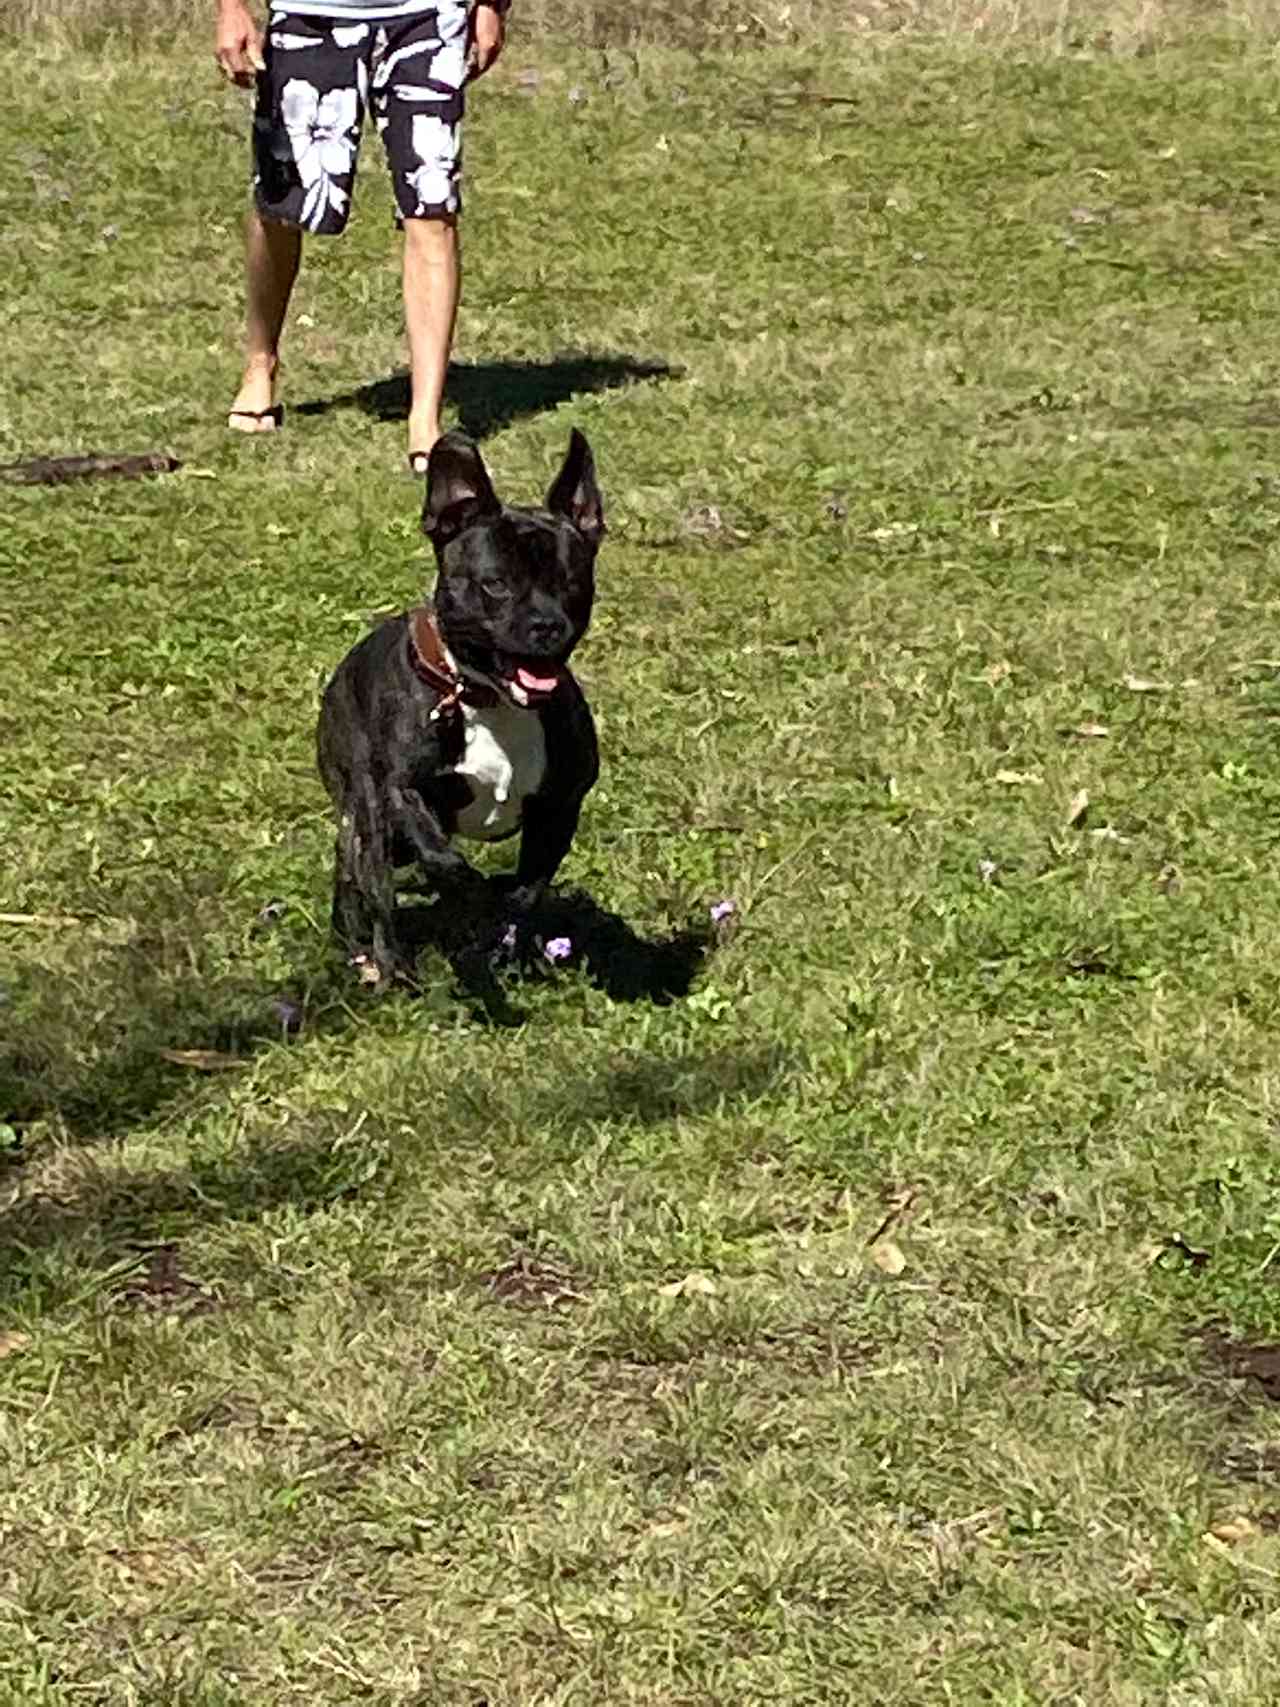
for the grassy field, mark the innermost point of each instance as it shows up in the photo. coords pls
(868, 1325)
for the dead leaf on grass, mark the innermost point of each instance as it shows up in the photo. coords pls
(1144, 684)
(1088, 731)
(693, 1285)
(1232, 1531)
(706, 521)
(204, 1060)
(157, 1565)
(888, 1257)
(1019, 779)
(1077, 809)
(13, 1342)
(997, 672)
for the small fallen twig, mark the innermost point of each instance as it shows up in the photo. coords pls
(204, 1060)
(57, 470)
(900, 1205)
(50, 921)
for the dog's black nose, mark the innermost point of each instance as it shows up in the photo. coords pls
(547, 634)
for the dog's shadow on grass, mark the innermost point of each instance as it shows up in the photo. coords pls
(166, 1031)
(489, 396)
(568, 929)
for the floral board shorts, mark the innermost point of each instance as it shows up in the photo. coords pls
(321, 75)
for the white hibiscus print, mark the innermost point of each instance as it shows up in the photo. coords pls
(450, 67)
(347, 35)
(321, 131)
(436, 147)
(387, 64)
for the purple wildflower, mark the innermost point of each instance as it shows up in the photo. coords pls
(289, 1014)
(509, 937)
(722, 910)
(558, 948)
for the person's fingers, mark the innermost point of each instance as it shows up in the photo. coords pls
(484, 58)
(486, 43)
(240, 60)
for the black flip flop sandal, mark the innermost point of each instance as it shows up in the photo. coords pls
(275, 414)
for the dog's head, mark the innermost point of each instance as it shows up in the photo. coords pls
(515, 586)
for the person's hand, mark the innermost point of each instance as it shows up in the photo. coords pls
(239, 44)
(488, 34)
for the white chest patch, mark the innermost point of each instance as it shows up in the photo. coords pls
(504, 759)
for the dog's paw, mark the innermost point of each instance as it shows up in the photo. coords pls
(368, 973)
(379, 974)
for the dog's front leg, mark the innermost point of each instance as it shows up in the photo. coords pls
(546, 837)
(472, 923)
(444, 869)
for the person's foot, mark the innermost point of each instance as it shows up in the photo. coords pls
(423, 434)
(255, 409)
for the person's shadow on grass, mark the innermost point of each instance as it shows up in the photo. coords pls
(490, 395)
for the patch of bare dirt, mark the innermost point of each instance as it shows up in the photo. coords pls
(163, 1288)
(1255, 1361)
(530, 1282)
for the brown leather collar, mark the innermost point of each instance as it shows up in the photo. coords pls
(433, 665)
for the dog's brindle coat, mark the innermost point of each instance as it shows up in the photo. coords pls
(463, 719)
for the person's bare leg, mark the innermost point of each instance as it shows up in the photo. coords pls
(272, 252)
(432, 271)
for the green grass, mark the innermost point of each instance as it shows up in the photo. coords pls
(970, 426)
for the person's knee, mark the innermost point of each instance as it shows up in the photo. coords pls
(435, 236)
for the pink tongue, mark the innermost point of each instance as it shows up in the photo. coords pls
(535, 684)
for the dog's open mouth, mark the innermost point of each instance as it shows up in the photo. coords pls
(533, 682)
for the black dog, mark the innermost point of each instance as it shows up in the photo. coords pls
(461, 718)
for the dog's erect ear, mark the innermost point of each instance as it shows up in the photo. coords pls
(459, 490)
(574, 492)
